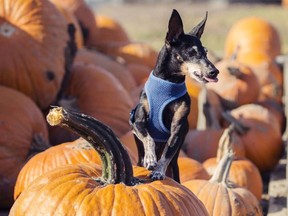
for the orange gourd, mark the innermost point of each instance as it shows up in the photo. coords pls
(94, 91)
(242, 171)
(23, 133)
(33, 40)
(109, 31)
(191, 169)
(222, 197)
(253, 34)
(263, 141)
(71, 20)
(117, 190)
(76, 152)
(85, 16)
(237, 82)
(132, 52)
(99, 59)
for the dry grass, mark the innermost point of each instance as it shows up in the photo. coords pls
(148, 22)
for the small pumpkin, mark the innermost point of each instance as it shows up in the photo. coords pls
(222, 197)
(191, 169)
(80, 187)
(242, 171)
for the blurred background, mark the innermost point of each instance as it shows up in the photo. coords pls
(146, 20)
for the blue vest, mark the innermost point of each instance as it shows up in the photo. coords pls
(160, 93)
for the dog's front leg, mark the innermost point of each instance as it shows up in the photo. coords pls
(179, 129)
(139, 127)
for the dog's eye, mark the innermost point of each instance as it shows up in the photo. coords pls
(179, 58)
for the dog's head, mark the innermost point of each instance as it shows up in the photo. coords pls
(187, 51)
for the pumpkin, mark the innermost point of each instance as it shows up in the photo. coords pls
(85, 16)
(237, 82)
(109, 30)
(37, 66)
(99, 59)
(202, 142)
(242, 171)
(191, 169)
(23, 133)
(268, 73)
(94, 91)
(222, 197)
(131, 52)
(75, 152)
(71, 19)
(139, 72)
(253, 34)
(81, 188)
(263, 141)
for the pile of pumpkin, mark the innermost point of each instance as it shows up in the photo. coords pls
(82, 62)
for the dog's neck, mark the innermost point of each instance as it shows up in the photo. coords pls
(167, 70)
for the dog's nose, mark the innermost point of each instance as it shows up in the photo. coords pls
(213, 73)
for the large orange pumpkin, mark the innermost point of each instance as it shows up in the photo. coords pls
(222, 197)
(23, 133)
(75, 152)
(33, 40)
(253, 34)
(94, 91)
(78, 190)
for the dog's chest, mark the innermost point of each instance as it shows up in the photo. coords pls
(159, 94)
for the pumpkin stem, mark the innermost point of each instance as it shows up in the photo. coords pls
(225, 142)
(116, 163)
(223, 168)
(234, 71)
(239, 127)
(206, 114)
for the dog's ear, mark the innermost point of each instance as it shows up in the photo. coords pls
(199, 29)
(175, 28)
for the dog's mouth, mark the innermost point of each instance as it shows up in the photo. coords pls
(206, 78)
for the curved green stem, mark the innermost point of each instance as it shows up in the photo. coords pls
(223, 168)
(225, 143)
(116, 163)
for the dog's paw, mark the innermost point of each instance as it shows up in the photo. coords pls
(157, 175)
(150, 161)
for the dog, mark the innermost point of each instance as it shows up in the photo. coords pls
(159, 121)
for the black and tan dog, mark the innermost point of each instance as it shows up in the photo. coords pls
(159, 121)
